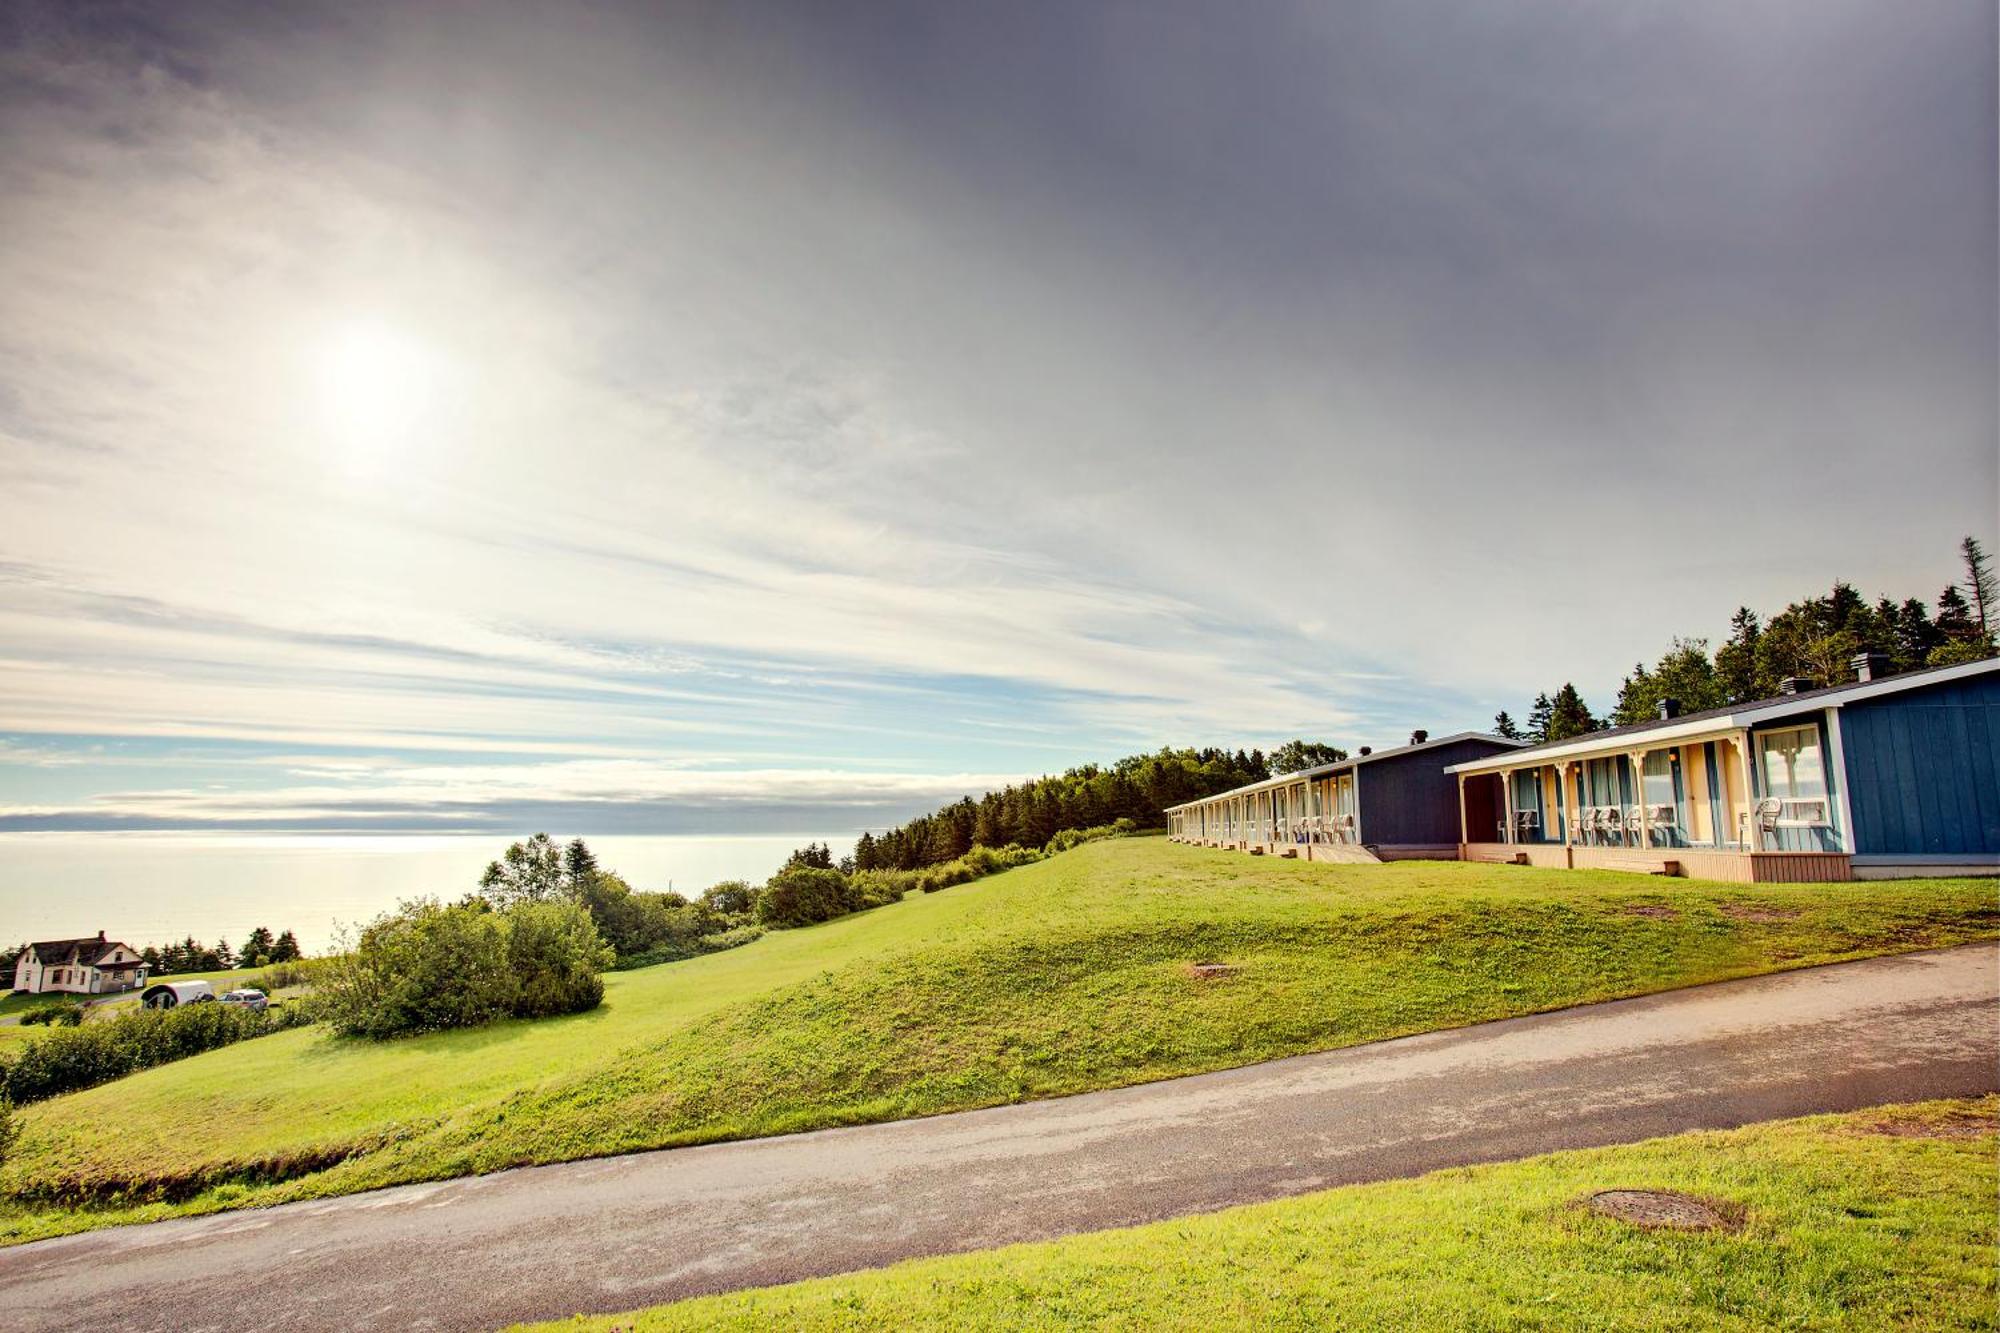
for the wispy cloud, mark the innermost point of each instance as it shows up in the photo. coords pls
(745, 394)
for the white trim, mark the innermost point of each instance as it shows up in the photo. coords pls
(1837, 775)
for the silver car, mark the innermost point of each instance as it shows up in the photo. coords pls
(249, 997)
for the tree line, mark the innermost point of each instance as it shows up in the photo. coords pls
(1813, 641)
(1138, 788)
(260, 949)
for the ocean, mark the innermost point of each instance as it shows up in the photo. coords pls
(148, 888)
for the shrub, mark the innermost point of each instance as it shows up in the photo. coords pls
(428, 967)
(54, 1013)
(878, 888)
(676, 953)
(732, 897)
(289, 973)
(556, 956)
(73, 1058)
(10, 1129)
(804, 895)
(1076, 837)
(422, 968)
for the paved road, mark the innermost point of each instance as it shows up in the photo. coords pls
(629, 1231)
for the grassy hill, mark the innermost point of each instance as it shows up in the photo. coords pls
(1059, 977)
(1882, 1219)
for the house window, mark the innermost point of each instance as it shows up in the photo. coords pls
(1790, 761)
(1659, 777)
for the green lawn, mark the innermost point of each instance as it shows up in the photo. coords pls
(1059, 977)
(1839, 1226)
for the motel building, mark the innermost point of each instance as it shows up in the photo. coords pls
(1889, 775)
(1886, 776)
(1377, 806)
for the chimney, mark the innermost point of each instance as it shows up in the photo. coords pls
(1419, 736)
(1669, 709)
(1872, 666)
(1794, 684)
(1367, 750)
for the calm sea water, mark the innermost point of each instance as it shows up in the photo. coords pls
(147, 888)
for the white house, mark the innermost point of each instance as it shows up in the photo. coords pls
(95, 966)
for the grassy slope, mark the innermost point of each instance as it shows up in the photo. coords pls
(1843, 1227)
(1055, 978)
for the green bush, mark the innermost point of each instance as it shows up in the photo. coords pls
(804, 895)
(1076, 837)
(556, 956)
(69, 1059)
(878, 888)
(290, 973)
(54, 1013)
(428, 967)
(677, 953)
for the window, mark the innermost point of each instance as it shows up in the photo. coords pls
(1659, 778)
(1795, 774)
(1791, 764)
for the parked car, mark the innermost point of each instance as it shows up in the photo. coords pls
(248, 997)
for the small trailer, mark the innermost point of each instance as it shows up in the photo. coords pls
(173, 994)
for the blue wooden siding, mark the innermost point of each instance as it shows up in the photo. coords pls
(1923, 770)
(1409, 800)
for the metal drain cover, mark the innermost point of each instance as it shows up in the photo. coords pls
(1658, 1208)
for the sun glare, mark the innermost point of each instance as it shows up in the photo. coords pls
(375, 387)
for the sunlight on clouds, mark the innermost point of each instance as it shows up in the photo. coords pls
(378, 389)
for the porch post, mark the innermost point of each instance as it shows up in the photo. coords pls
(1567, 793)
(1637, 758)
(1462, 838)
(1507, 791)
(1745, 772)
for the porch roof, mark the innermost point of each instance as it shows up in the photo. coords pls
(1343, 765)
(1689, 725)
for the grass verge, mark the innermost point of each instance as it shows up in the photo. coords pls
(1064, 976)
(1882, 1219)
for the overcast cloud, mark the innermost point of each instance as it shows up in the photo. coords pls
(770, 416)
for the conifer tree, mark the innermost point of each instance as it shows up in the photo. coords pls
(1736, 660)
(1568, 715)
(1980, 585)
(1503, 725)
(1538, 719)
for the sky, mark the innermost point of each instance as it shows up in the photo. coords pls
(752, 417)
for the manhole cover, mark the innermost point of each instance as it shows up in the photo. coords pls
(1213, 969)
(1658, 1208)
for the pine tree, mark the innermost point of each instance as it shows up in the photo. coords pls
(1736, 660)
(256, 950)
(1568, 715)
(1538, 719)
(580, 868)
(1634, 693)
(1954, 617)
(1980, 584)
(1503, 725)
(286, 949)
